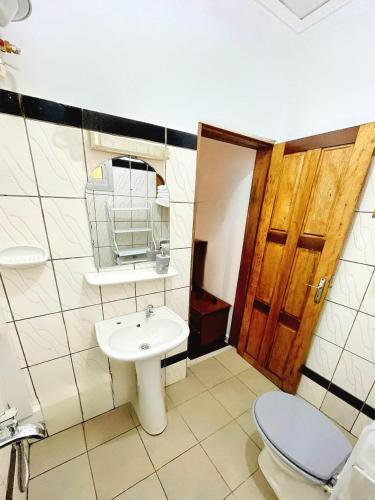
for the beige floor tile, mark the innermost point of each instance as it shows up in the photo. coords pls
(246, 421)
(71, 480)
(255, 488)
(119, 464)
(148, 489)
(204, 415)
(185, 389)
(210, 372)
(232, 361)
(176, 439)
(192, 477)
(233, 453)
(107, 426)
(56, 449)
(256, 382)
(234, 396)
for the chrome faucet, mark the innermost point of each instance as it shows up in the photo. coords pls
(149, 311)
(13, 434)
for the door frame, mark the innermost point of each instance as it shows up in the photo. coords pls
(263, 148)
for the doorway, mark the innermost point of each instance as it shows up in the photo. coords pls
(224, 181)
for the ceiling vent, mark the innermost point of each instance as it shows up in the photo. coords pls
(301, 14)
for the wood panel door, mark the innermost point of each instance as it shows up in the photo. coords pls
(308, 205)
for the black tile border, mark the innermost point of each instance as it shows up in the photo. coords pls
(36, 108)
(174, 359)
(10, 103)
(334, 389)
(50, 111)
(109, 124)
(181, 139)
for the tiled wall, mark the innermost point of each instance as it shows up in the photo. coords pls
(343, 347)
(50, 309)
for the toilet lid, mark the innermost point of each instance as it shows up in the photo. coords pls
(302, 434)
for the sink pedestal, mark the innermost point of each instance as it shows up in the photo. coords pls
(150, 406)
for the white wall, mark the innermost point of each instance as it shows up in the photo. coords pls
(165, 62)
(233, 64)
(223, 186)
(332, 84)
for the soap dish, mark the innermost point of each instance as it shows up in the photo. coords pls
(23, 256)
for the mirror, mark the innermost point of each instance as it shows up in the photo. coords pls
(128, 210)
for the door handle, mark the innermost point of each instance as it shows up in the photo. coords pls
(319, 289)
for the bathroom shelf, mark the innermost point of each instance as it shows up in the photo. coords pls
(132, 230)
(127, 209)
(127, 252)
(105, 278)
(23, 256)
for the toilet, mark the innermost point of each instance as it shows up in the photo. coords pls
(303, 450)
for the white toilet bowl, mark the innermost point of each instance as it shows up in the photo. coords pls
(303, 450)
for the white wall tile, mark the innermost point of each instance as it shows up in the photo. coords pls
(311, 391)
(43, 338)
(58, 158)
(361, 422)
(335, 323)
(21, 222)
(339, 411)
(371, 397)
(16, 168)
(67, 226)
(181, 225)
(31, 291)
(355, 375)
(57, 392)
(73, 287)
(118, 292)
(119, 308)
(323, 357)
(178, 301)
(367, 200)
(147, 287)
(4, 306)
(94, 382)
(124, 381)
(350, 283)
(368, 304)
(180, 174)
(362, 337)
(156, 299)
(16, 344)
(80, 327)
(181, 261)
(175, 372)
(360, 246)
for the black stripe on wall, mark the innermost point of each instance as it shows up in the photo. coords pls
(351, 400)
(109, 124)
(181, 139)
(9, 103)
(174, 359)
(50, 111)
(62, 114)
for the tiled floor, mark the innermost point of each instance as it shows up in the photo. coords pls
(208, 451)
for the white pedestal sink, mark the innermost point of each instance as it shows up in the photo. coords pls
(135, 338)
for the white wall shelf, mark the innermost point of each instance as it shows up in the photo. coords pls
(104, 278)
(23, 256)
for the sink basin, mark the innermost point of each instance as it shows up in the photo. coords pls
(135, 338)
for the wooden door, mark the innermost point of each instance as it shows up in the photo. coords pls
(309, 201)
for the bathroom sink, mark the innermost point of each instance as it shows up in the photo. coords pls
(143, 340)
(134, 337)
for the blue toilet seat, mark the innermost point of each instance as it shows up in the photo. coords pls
(301, 435)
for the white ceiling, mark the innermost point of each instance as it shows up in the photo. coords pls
(302, 14)
(302, 8)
